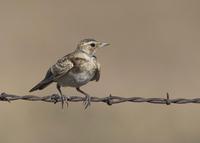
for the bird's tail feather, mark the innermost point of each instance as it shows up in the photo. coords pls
(41, 85)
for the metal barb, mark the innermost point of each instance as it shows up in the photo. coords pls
(168, 102)
(109, 100)
(4, 97)
(55, 98)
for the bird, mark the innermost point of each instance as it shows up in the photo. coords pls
(75, 69)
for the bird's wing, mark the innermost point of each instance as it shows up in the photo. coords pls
(62, 66)
(59, 69)
(45, 82)
(97, 73)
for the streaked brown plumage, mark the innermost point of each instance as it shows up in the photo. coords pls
(75, 69)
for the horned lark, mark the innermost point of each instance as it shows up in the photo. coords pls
(75, 69)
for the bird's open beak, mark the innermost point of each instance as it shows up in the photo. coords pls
(104, 45)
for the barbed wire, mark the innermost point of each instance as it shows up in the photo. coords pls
(109, 100)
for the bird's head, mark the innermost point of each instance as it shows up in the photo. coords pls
(89, 46)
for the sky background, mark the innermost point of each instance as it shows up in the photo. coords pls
(155, 47)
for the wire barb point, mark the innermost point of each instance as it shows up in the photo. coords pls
(3, 97)
(55, 98)
(168, 102)
(108, 100)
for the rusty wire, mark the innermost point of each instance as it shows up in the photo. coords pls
(110, 100)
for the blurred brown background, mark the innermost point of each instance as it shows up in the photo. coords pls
(155, 48)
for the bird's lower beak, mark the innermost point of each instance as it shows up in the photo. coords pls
(104, 45)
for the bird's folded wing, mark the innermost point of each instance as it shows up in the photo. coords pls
(62, 66)
(97, 73)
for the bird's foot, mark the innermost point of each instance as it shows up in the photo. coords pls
(87, 101)
(64, 99)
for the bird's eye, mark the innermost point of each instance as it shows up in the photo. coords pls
(92, 45)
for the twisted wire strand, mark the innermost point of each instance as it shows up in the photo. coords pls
(109, 100)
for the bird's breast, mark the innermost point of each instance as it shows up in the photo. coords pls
(79, 75)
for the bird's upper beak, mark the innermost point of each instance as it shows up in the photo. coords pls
(104, 45)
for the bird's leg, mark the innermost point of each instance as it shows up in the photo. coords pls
(87, 101)
(62, 97)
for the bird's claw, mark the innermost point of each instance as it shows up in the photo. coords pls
(64, 100)
(87, 101)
